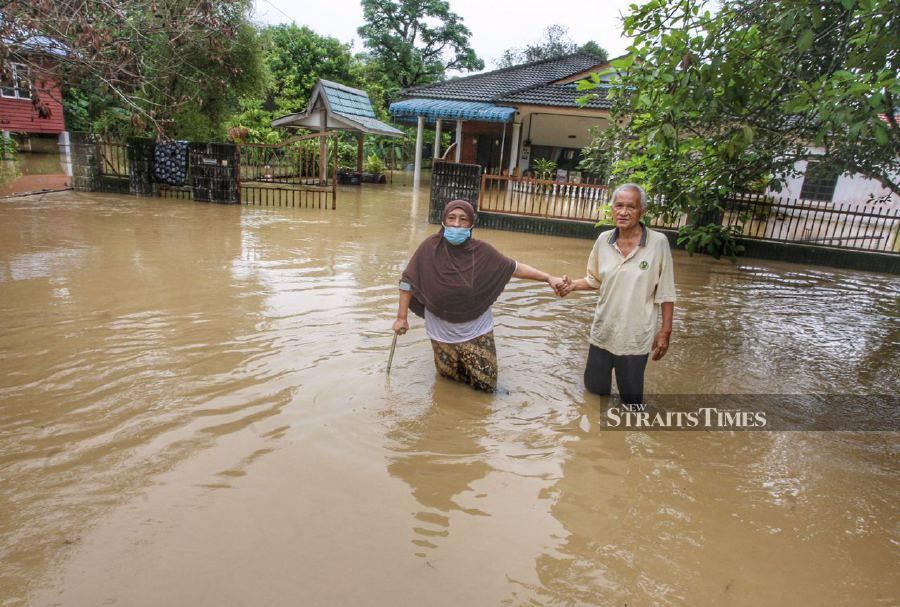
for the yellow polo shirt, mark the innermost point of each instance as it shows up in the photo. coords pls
(631, 289)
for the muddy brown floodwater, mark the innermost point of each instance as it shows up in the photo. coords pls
(194, 411)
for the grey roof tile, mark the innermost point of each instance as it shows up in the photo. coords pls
(346, 100)
(560, 95)
(491, 86)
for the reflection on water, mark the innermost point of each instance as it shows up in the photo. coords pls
(194, 410)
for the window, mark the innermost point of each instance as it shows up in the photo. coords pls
(819, 182)
(21, 88)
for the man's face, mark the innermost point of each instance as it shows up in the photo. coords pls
(626, 209)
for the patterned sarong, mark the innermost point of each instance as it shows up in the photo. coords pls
(472, 362)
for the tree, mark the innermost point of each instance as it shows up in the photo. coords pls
(708, 104)
(298, 57)
(169, 63)
(592, 48)
(555, 42)
(416, 41)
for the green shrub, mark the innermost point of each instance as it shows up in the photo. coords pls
(712, 239)
(8, 148)
(544, 168)
(373, 164)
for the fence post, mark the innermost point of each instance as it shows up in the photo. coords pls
(214, 172)
(85, 167)
(140, 166)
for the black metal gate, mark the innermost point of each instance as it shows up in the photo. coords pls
(453, 181)
(298, 173)
(214, 170)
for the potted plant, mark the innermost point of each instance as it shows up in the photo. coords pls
(373, 170)
(347, 176)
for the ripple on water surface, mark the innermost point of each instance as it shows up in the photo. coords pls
(143, 338)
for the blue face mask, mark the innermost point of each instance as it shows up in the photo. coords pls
(457, 236)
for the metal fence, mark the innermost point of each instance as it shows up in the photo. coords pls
(861, 226)
(300, 173)
(571, 200)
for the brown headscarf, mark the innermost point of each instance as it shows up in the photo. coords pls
(457, 283)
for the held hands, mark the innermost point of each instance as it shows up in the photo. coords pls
(557, 284)
(561, 286)
(401, 326)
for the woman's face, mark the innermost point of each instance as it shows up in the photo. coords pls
(457, 218)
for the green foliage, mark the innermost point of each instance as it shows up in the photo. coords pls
(595, 49)
(175, 71)
(416, 41)
(8, 148)
(207, 79)
(252, 124)
(374, 164)
(347, 149)
(555, 42)
(544, 168)
(711, 239)
(713, 104)
(298, 57)
(604, 216)
(597, 157)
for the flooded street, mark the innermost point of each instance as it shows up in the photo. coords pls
(194, 411)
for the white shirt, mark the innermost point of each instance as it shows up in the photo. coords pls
(631, 289)
(440, 330)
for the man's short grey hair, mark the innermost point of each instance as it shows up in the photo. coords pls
(635, 187)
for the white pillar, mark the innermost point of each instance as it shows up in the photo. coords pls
(417, 171)
(459, 124)
(65, 156)
(514, 147)
(437, 137)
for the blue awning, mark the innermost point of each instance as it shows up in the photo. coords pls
(452, 110)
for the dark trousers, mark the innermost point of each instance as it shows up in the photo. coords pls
(629, 374)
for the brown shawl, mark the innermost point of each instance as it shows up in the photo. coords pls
(457, 283)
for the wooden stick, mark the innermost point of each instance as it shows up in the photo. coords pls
(391, 356)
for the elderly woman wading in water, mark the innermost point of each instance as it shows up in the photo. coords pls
(452, 281)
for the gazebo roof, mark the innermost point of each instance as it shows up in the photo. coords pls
(339, 107)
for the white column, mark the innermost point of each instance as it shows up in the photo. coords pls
(514, 147)
(6, 136)
(437, 137)
(417, 171)
(459, 124)
(65, 156)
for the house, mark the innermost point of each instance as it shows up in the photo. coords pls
(506, 119)
(30, 96)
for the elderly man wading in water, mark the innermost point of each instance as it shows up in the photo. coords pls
(632, 268)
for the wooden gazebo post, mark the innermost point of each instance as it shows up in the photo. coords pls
(359, 152)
